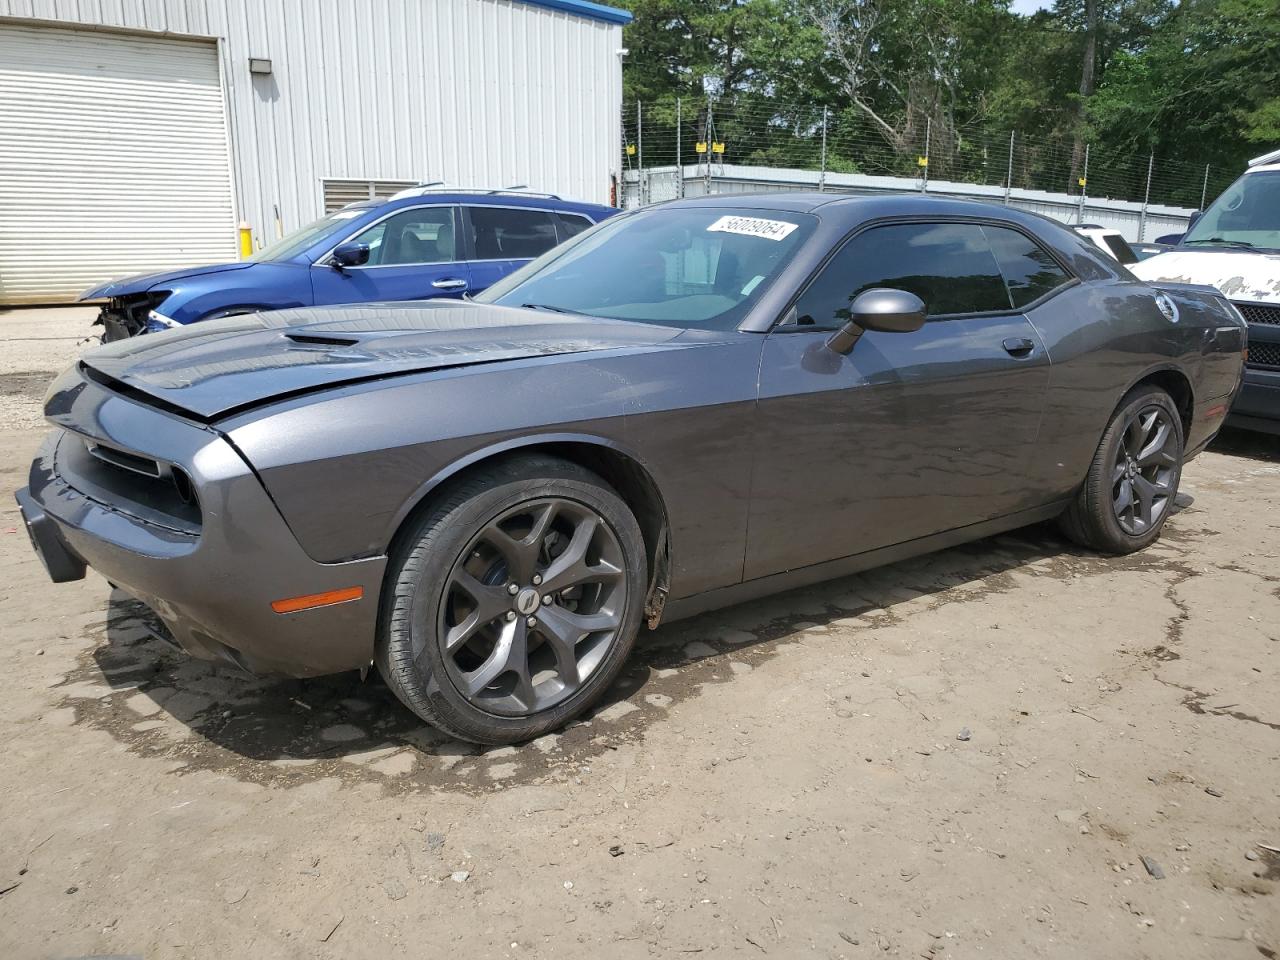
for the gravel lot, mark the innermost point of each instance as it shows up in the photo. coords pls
(1011, 749)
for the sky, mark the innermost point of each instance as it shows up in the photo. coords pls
(1029, 6)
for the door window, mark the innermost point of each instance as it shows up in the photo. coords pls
(505, 233)
(419, 235)
(1029, 271)
(947, 265)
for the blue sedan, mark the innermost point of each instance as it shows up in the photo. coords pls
(420, 244)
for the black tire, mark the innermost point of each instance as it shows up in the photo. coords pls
(429, 562)
(1096, 519)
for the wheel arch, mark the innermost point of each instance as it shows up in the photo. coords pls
(617, 466)
(239, 309)
(1174, 382)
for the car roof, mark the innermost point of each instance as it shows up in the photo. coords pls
(862, 207)
(476, 198)
(847, 211)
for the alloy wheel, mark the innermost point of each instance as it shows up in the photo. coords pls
(1144, 470)
(532, 606)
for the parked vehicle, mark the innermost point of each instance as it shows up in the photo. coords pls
(682, 408)
(1235, 246)
(1146, 251)
(420, 244)
(1110, 242)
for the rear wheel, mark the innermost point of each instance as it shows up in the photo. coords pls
(514, 601)
(1133, 480)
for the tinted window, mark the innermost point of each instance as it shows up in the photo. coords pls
(421, 235)
(690, 267)
(571, 225)
(1120, 249)
(1028, 268)
(947, 265)
(506, 234)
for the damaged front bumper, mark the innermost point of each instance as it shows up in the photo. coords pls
(210, 569)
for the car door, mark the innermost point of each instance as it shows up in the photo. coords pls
(911, 433)
(502, 239)
(414, 254)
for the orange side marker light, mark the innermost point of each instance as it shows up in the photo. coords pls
(326, 599)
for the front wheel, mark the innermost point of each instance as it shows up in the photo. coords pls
(1133, 480)
(514, 601)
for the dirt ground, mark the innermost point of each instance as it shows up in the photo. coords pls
(1011, 749)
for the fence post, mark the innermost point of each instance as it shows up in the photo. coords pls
(1008, 180)
(1204, 191)
(710, 134)
(1084, 186)
(822, 174)
(928, 129)
(641, 190)
(1146, 197)
(679, 155)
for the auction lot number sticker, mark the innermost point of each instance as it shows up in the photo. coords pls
(753, 227)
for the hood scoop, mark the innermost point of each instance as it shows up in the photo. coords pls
(322, 339)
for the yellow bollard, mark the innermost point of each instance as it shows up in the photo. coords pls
(246, 240)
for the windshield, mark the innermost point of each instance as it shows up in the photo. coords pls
(288, 247)
(1246, 215)
(688, 267)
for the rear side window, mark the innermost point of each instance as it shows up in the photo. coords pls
(1028, 268)
(1120, 249)
(571, 225)
(504, 233)
(947, 265)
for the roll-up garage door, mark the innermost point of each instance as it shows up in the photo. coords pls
(113, 159)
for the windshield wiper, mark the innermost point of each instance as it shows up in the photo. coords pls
(1222, 241)
(550, 307)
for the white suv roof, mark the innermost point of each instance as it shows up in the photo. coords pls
(1268, 161)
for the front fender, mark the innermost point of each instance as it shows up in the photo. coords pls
(512, 445)
(348, 466)
(262, 287)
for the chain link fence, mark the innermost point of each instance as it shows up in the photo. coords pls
(715, 140)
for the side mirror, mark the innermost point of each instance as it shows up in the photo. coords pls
(350, 254)
(1191, 221)
(882, 310)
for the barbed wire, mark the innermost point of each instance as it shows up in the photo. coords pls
(829, 140)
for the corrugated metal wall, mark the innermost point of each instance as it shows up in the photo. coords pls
(472, 92)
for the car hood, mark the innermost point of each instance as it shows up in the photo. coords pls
(217, 367)
(150, 281)
(1239, 275)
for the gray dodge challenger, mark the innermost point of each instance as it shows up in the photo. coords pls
(681, 408)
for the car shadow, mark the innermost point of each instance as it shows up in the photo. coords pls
(1234, 442)
(212, 716)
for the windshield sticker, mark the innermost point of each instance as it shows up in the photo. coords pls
(345, 214)
(751, 285)
(753, 227)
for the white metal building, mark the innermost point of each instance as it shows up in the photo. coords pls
(136, 135)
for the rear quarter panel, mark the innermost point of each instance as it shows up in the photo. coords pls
(1102, 339)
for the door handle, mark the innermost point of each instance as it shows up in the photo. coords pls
(1018, 347)
(449, 283)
